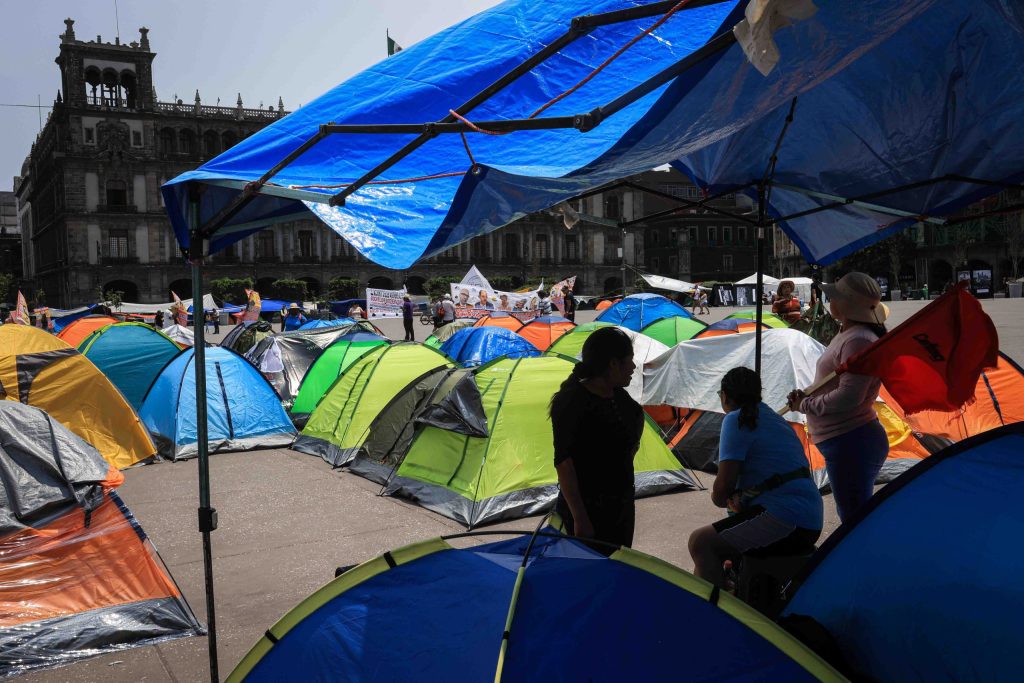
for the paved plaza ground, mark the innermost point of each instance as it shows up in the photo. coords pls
(287, 520)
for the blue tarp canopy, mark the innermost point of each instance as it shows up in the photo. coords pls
(889, 93)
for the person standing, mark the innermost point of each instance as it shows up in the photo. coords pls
(158, 320)
(543, 303)
(407, 311)
(841, 415)
(597, 429)
(570, 304)
(356, 312)
(294, 318)
(763, 479)
(448, 310)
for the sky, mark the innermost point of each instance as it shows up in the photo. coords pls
(262, 49)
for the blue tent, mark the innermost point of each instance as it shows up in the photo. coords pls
(316, 324)
(925, 583)
(434, 612)
(131, 355)
(243, 411)
(905, 110)
(637, 311)
(478, 345)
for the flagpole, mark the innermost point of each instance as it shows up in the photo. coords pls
(207, 514)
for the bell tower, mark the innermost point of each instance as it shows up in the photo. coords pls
(111, 76)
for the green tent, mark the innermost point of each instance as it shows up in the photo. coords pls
(570, 344)
(338, 425)
(483, 451)
(671, 331)
(767, 317)
(335, 359)
(445, 332)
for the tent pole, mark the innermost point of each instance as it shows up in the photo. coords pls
(758, 293)
(207, 514)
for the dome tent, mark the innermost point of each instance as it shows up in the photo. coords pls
(243, 411)
(509, 471)
(730, 326)
(444, 333)
(246, 335)
(480, 345)
(671, 331)
(320, 323)
(526, 609)
(338, 425)
(77, 331)
(637, 311)
(78, 575)
(334, 360)
(500, 319)
(767, 318)
(43, 371)
(645, 349)
(131, 355)
(180, 335)
(545, 330)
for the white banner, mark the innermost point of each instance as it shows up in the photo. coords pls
(384, 303)
(476, 302)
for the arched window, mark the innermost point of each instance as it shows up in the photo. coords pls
(168, 141)
(93, 86)
(186, 141)
(129, 91)
(228, 140)
(111, 88)
(211, 144)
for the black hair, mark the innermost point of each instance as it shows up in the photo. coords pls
(602, 347)
(743, 387)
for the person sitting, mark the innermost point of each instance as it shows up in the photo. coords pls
(786, 305)
(763, 479)
(294, 319)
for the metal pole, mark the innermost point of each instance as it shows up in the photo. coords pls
(622, 266)
(207, 514)
(761, 215)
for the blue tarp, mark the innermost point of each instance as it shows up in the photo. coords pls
(131, 355)
(243, 410)
(578, 616)
(478, 345)
(637, 311)
(891, 92)
(924, 584)
(316, 324)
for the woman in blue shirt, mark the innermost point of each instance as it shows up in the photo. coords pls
(764, 480)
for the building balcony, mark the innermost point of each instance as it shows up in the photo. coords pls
(119, 260)
(116, 208)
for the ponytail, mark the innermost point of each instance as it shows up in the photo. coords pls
(743, 388)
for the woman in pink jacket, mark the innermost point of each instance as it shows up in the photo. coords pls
(841, 416)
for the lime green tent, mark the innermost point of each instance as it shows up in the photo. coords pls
(769, 319)
(445, 332)
(335, 359)
(475, 477)
(570, 344)
(338, 425)
(671, 331)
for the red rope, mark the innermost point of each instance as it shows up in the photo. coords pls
(472, 126)
(614, 56)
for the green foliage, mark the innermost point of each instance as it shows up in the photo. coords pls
(39, 297)
(113, 298)
(289, 290)
(340, 288)
(502, 283)
(230, 289)
(437, 287)
(6, 286)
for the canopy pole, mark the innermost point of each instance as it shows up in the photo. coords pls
(759, 293)
(622, 266)
(207, 514)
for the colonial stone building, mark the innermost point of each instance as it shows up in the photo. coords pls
(93, 217)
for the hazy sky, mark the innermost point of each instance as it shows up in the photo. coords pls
(261, 48)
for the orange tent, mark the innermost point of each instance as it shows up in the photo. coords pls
(607, 303)
(78, 576)
(78, 330)
(39, 369)
(729, 326)
(542, 332)
(499, 319)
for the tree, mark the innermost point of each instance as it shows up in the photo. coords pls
(231, 289)
(502, 283)
(436, 287)
(340, 288)
(291, 290)
(6, 285)
(113, 298)
(1010, 227)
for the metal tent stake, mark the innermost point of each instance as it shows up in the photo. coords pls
(207, 514)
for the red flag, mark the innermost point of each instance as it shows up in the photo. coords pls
(933, 360)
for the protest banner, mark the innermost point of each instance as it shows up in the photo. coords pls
(384, 303)
(253, 306)
(558, 292)
(469, 298)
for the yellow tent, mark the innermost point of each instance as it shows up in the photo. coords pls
(38, 369)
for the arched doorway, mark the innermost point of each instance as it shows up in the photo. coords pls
(128, 289)
(380, 282)
(612, 285)
(183, 288)
(414, 284)
(312, 287)
(940, 273)
(264, 285)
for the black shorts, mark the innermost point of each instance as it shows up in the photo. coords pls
(755, 531)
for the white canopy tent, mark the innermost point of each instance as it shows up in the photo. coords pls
(662, 282)
(766, 279)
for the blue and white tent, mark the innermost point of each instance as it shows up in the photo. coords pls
(479, 345)
(637, 311)
(243, 410)
(894, 112)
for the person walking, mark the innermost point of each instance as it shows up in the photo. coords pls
(841, 416)
(597, 429)
(763, 479)
(407, 311)
(447, 310)
(704, 310)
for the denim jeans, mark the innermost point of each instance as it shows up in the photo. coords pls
(853, 461)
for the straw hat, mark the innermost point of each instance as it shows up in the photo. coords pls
(861, 297)
(292, 306)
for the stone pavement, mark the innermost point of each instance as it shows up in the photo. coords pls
(287, 521)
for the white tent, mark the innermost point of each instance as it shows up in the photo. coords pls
(690, 374)
(182, 335)
(766, 279)
(645, 349)
(803, 288)
(661, 282)
(208, 304)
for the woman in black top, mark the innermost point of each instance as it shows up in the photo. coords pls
(597, 429)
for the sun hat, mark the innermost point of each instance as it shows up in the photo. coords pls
(448, 297)
(861, 296)
(292, 305)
